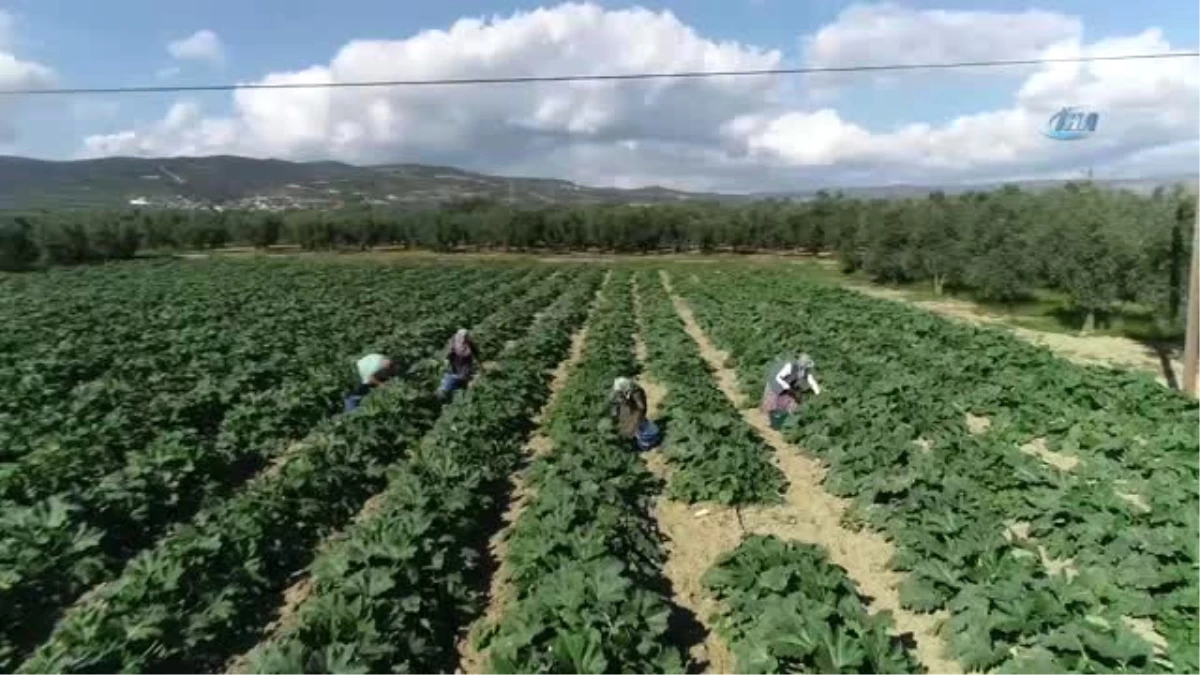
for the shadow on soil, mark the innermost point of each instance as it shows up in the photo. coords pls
(480, 580)
(684, 628)
(685, 631)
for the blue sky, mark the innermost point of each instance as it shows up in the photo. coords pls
(125, 42)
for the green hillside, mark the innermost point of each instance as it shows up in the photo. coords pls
(111, 182)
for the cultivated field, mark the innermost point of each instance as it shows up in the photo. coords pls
(182, 493)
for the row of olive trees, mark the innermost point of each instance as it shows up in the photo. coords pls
(1097, 246)
(622, 228)
(75, 237)
(27, 241)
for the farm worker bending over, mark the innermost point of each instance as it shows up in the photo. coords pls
(373, 370)
(787, 379)
(628, 409)
(461, 357)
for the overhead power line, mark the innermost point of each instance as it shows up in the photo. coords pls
(613, 77)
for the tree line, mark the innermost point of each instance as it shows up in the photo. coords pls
(1098, 246)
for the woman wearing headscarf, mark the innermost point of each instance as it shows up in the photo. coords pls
(461, 358)
(787, 380)
(373, 370)
(627, 405)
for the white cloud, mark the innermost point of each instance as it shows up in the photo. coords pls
(475, 122)
(1141, 108)
(16, 73)
(891, 33)
(189, 131)
(723, 133)
(203, 45)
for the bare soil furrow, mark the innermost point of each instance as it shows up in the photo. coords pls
(696, 535)
(500, 591)
(811, 514)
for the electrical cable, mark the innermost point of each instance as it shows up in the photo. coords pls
(612, 77)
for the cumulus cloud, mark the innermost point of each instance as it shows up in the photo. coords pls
(891, 33)
(1141, 108)
(190, 133)
(16, 73)
(721, 133)
(472, 123)
(203, 45)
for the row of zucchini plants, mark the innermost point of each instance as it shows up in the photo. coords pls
(135, 292)
(786, 608)
(279, 350)
(396, 590)
(715, 455)
(64, 545)
(203, 592)
(890, 425)
(585, 555)
(71, 332)
(177, 366)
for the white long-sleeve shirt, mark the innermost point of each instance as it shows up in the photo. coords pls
(788, 370)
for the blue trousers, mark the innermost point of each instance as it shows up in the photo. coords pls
(450, 383)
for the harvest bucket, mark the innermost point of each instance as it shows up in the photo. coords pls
(647, 435)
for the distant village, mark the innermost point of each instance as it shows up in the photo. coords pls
(313, 198)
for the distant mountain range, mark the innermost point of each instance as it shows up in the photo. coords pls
(242, 181)
(267, 183)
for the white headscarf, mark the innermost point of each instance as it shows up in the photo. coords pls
(458, 343)
(622, 384)
(806, 366)
(369, 365)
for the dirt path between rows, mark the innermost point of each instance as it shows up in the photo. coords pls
(696, 535)
(500, 590)
(295, 595)
(811, 514)
(1102, 350)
